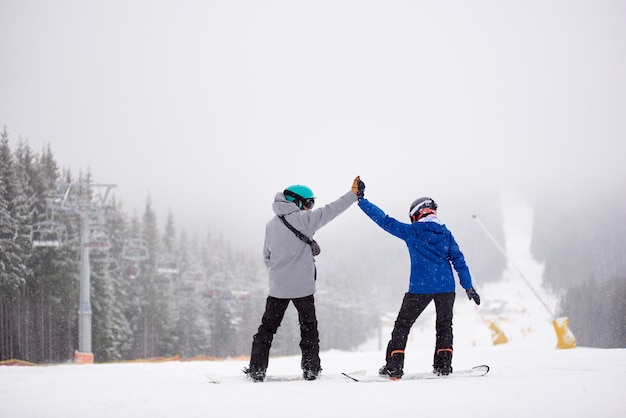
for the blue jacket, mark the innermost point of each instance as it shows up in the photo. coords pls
(432, 249)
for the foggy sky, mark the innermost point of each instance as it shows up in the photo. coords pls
(212, 107)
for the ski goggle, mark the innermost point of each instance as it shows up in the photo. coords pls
(299, 200)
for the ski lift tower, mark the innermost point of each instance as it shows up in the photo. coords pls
(86, 200)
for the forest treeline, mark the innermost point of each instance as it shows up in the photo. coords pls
(159, 292)
(154, 292)
(580, 237)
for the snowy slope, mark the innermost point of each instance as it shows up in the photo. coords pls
(518, 304)
(528, 377)
(524, 381)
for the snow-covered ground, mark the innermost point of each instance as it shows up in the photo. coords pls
(528, 377)
(524, 381)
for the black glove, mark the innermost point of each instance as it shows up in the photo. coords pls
(358, 187)
(360, 194)
(471, 294)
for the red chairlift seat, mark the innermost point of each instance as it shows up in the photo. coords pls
(98, 239)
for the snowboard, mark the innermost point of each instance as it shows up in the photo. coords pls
(476, 371)
(282, 378)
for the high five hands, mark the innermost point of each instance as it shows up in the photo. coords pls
(358, 187)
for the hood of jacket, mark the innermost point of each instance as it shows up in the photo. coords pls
(282, 206)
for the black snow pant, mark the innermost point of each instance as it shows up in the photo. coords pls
(309, 337)
(412, 306)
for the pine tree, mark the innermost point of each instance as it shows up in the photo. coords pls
(52, 289)
(596, 313)
(157, 306)
(111, 329)
(189, 311)
(14, 220)
(167, 270)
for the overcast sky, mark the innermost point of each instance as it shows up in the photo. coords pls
(211, 107)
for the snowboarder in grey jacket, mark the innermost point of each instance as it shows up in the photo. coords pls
(288, 252)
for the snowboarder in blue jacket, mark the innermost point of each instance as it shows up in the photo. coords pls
(433, 252)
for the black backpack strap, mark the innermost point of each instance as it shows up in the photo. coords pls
(295, 231)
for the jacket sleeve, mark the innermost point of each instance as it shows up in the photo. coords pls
(458, 261)
(389, 224)
(315, 219)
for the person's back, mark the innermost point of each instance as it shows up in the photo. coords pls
(288, 253)
(290, 263)
(433, 252)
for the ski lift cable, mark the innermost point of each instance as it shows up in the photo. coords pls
(499, 247)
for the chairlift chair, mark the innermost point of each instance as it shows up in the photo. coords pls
(240, 294)
(98, 240)
(168, 267)
(135, 250)
(8, 232)
(192, 281)
(98, 255)
(47, 234)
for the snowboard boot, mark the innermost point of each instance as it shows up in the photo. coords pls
(255, 374)
(394, 366)
(311, 374)
(310, 369)
(443, 362)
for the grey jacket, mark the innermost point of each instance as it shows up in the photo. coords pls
(289, 260)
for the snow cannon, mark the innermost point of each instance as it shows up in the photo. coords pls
(565, 338)
(497, 335)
